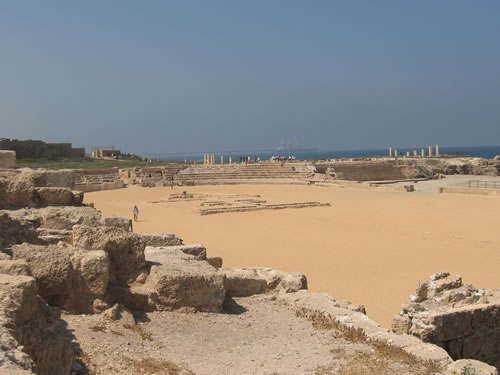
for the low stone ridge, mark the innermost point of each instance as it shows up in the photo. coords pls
(243, 282)
(460, 318)
(312, 305)
(30, 337)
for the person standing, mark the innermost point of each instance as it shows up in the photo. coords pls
(136, 213)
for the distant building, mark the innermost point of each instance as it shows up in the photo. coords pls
(30, 148)
(101, 152)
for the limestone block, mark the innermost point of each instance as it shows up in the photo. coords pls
(66, 217)
(117, 222)
(27, 323)
(7, 159)
(58, 196)
(215, 262)
(124, 249)
(160, 239)
(15, 267)
(67, 277)
(242, 282)
(180, 280)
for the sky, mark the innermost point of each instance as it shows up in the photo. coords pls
(183, 76)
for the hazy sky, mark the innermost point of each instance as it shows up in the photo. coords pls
(177, 76)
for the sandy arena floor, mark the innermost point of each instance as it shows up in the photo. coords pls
(369, 247)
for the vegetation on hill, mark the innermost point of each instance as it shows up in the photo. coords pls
(87, 162)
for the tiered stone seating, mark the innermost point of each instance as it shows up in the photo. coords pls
(273, 172)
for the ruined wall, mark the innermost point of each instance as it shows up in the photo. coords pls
(370, 170)
(36, 148)
(7, 159)
(462, 319)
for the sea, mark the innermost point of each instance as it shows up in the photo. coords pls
(487, 152)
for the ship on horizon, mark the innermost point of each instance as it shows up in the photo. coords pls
(294, 146)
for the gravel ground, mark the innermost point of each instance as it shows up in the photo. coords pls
(255, 335)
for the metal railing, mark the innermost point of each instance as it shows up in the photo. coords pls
(484, 184)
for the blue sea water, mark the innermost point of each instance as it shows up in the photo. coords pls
(487, 152)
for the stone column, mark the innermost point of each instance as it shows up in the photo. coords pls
(437, 150)
(390, 152)
(423, 153)
(415, 153)
(407, 153)
(222, 159)
(213, 159)
(230, 160)
(430, 150)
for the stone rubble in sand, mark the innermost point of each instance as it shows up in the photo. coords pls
(460, 318)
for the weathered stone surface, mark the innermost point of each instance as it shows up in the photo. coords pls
(470, 366)
(67, 277)
(215, 262)
(25, 188)
(460, 318)
(179, 280)
(58, 196)
(310, 304)
(160, 239)
(67, 217)
(15, 267)
(124, 249)
(116, 222)
(15, 231)
(27, 323)
(7, 159)
(241, 282)
(119, 312)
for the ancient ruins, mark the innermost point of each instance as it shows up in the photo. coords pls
(458, 317)
(68, 275)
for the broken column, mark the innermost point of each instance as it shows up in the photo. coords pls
(423, 153)
(222, 159)
(437, 150)
(430, 150)
(390, 152)
(230, 160)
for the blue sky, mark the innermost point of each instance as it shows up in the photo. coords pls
(179, 76)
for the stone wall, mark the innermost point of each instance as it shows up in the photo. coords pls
(36, 148)
(462, 319)
(370, 170)
(7, 159)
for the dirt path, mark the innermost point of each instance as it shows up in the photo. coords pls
(256, 335)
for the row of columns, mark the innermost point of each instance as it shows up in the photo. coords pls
(415, 153)
(209, 159)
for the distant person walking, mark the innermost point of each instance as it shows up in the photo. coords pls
(136, 213)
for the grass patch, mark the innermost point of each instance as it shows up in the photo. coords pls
(88, 163)
(138, 329)
(98, 328)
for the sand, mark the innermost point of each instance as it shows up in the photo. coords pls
(369, 247)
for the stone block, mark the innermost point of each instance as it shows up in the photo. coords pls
(7, 159)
